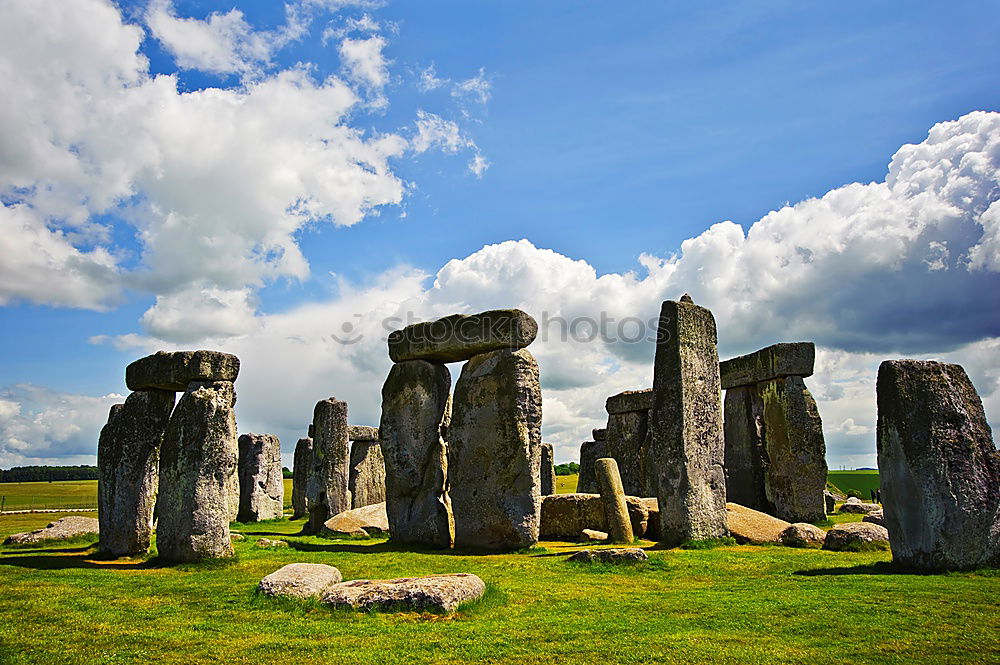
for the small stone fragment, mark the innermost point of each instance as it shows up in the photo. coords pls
(269, 543)
(620, 555)
(802, 534)
(300, 580)
(593, 535)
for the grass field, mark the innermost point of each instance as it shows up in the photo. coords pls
(729, 605)
(863, 481)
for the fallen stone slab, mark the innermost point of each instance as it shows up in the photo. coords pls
(618, 555)
(629, 401)
(61, 529)
(593, 535)
(300, 580)
(459, 337)
(362, 433)
(175, 370)
(441, 593)
(268, 542)
(373, 519)
(773, 362)
(855, 506)
(752, 526)
(803, 534)
(856, 536)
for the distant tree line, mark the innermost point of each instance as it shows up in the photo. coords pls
(27, 474)
(567, 469)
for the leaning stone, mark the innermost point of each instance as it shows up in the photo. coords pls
(494, 451)
(62, 529)
(590, 452)
(627, 442)
(459, 337)
(300, 580)
(362, 433)
(366, 476)
(630, 401)
(752, 526)
(855, 506)
(300, 476)
(547, 470)
(436, 593)
(197, 460)
(613, 498)
(372, 519)
(415, 399)
(746, 456)
(773, 362)
(175, 370)
(593, 535)
(620, 555)
(686, 421)
(802, 534)
(328, 492)
(938, 467)
(262, 484)
(128, 461)
(856, 536)
(269, 543)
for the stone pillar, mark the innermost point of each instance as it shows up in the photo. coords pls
(613, 499)
(686, 420)
(300, 476)
(494, 451)
(262, 486)
(547, 470)
(590, 452)
(415, 400)
(128, 459)
(197, 459)
(938, 466)
(328, 494)
(367, 469)
(746, 456)
(628, 426)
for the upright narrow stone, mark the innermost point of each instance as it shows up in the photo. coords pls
(746, 455)
(128, 459)
(548, 470)
(302, 463)
(686, 421)
(197, 459)
(590, 452)
(415, 401)
(262, 483)
(628, 426)
(938, 466)
(613, 498)
(329, 477)
(494, 451)
(367, 473)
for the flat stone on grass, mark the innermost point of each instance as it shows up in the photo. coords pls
(803, 534)
(300, 580)
(618, 555)
(856, 537)
(62, 529)
(435, 593)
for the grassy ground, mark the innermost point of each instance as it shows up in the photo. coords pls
(566, 484)
(732, 604)
(61, 494)
(863, 481)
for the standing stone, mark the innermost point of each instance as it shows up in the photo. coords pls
(367, 473)
(628, 427)
(197, 459)
(128, 459)
(548, 470)
(746, 455)
(495, 451)
(300, 476)
(613, 498)
(686, 420)
(590, 452)
(262, 483)
(415, 401)
(328, 494)
(938, 467)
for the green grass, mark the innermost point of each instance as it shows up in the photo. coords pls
(731, 604)
(863, 481)
(566, 484)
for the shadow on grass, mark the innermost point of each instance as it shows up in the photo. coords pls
(878, 568)
(65, 559)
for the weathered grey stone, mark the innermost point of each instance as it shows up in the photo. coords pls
(856, 506)
(459, 337)
(590, 452)
(300, 580)
(372, 518)
(564, 516)
(802, 534)
(938, 467)
(312, 431)
(746, 455)
(328, 492)
(262, 483)
(175, 370)
(628, 438)
(630, 401)
(773, 362)
(547, 470)
(236, 536)
(619, 555)
(686, 421)
(415, 401)
(593, 535)
(831, 502)
(441, 593)
(599, 434)
(613, 499)
(875, 518)
(855, 536)
(61, 529)
(367, 473)
(269, 543)
(752, 526)
(362, 433)
(494, 451)
(197, 462)
(652, 506)
(300, 476)
(128, 461)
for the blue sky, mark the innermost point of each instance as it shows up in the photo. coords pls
(608, 133)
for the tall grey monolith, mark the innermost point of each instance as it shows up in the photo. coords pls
(547, 470)
(302, 465)
(327, 492)
(367, 469)
(262, 482)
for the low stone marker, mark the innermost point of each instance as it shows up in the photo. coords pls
(440, 593)
(802, 534)
(613, 498)
(269, 543)
(62, 529)
(856, 536)
(590, 452)
(328, 492)
(938, 467)
(262, 484)
(300, 476)
(547, 470)
(459, 337)
(300, 580)
(620, 555)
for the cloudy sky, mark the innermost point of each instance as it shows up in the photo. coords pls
(288, 181)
